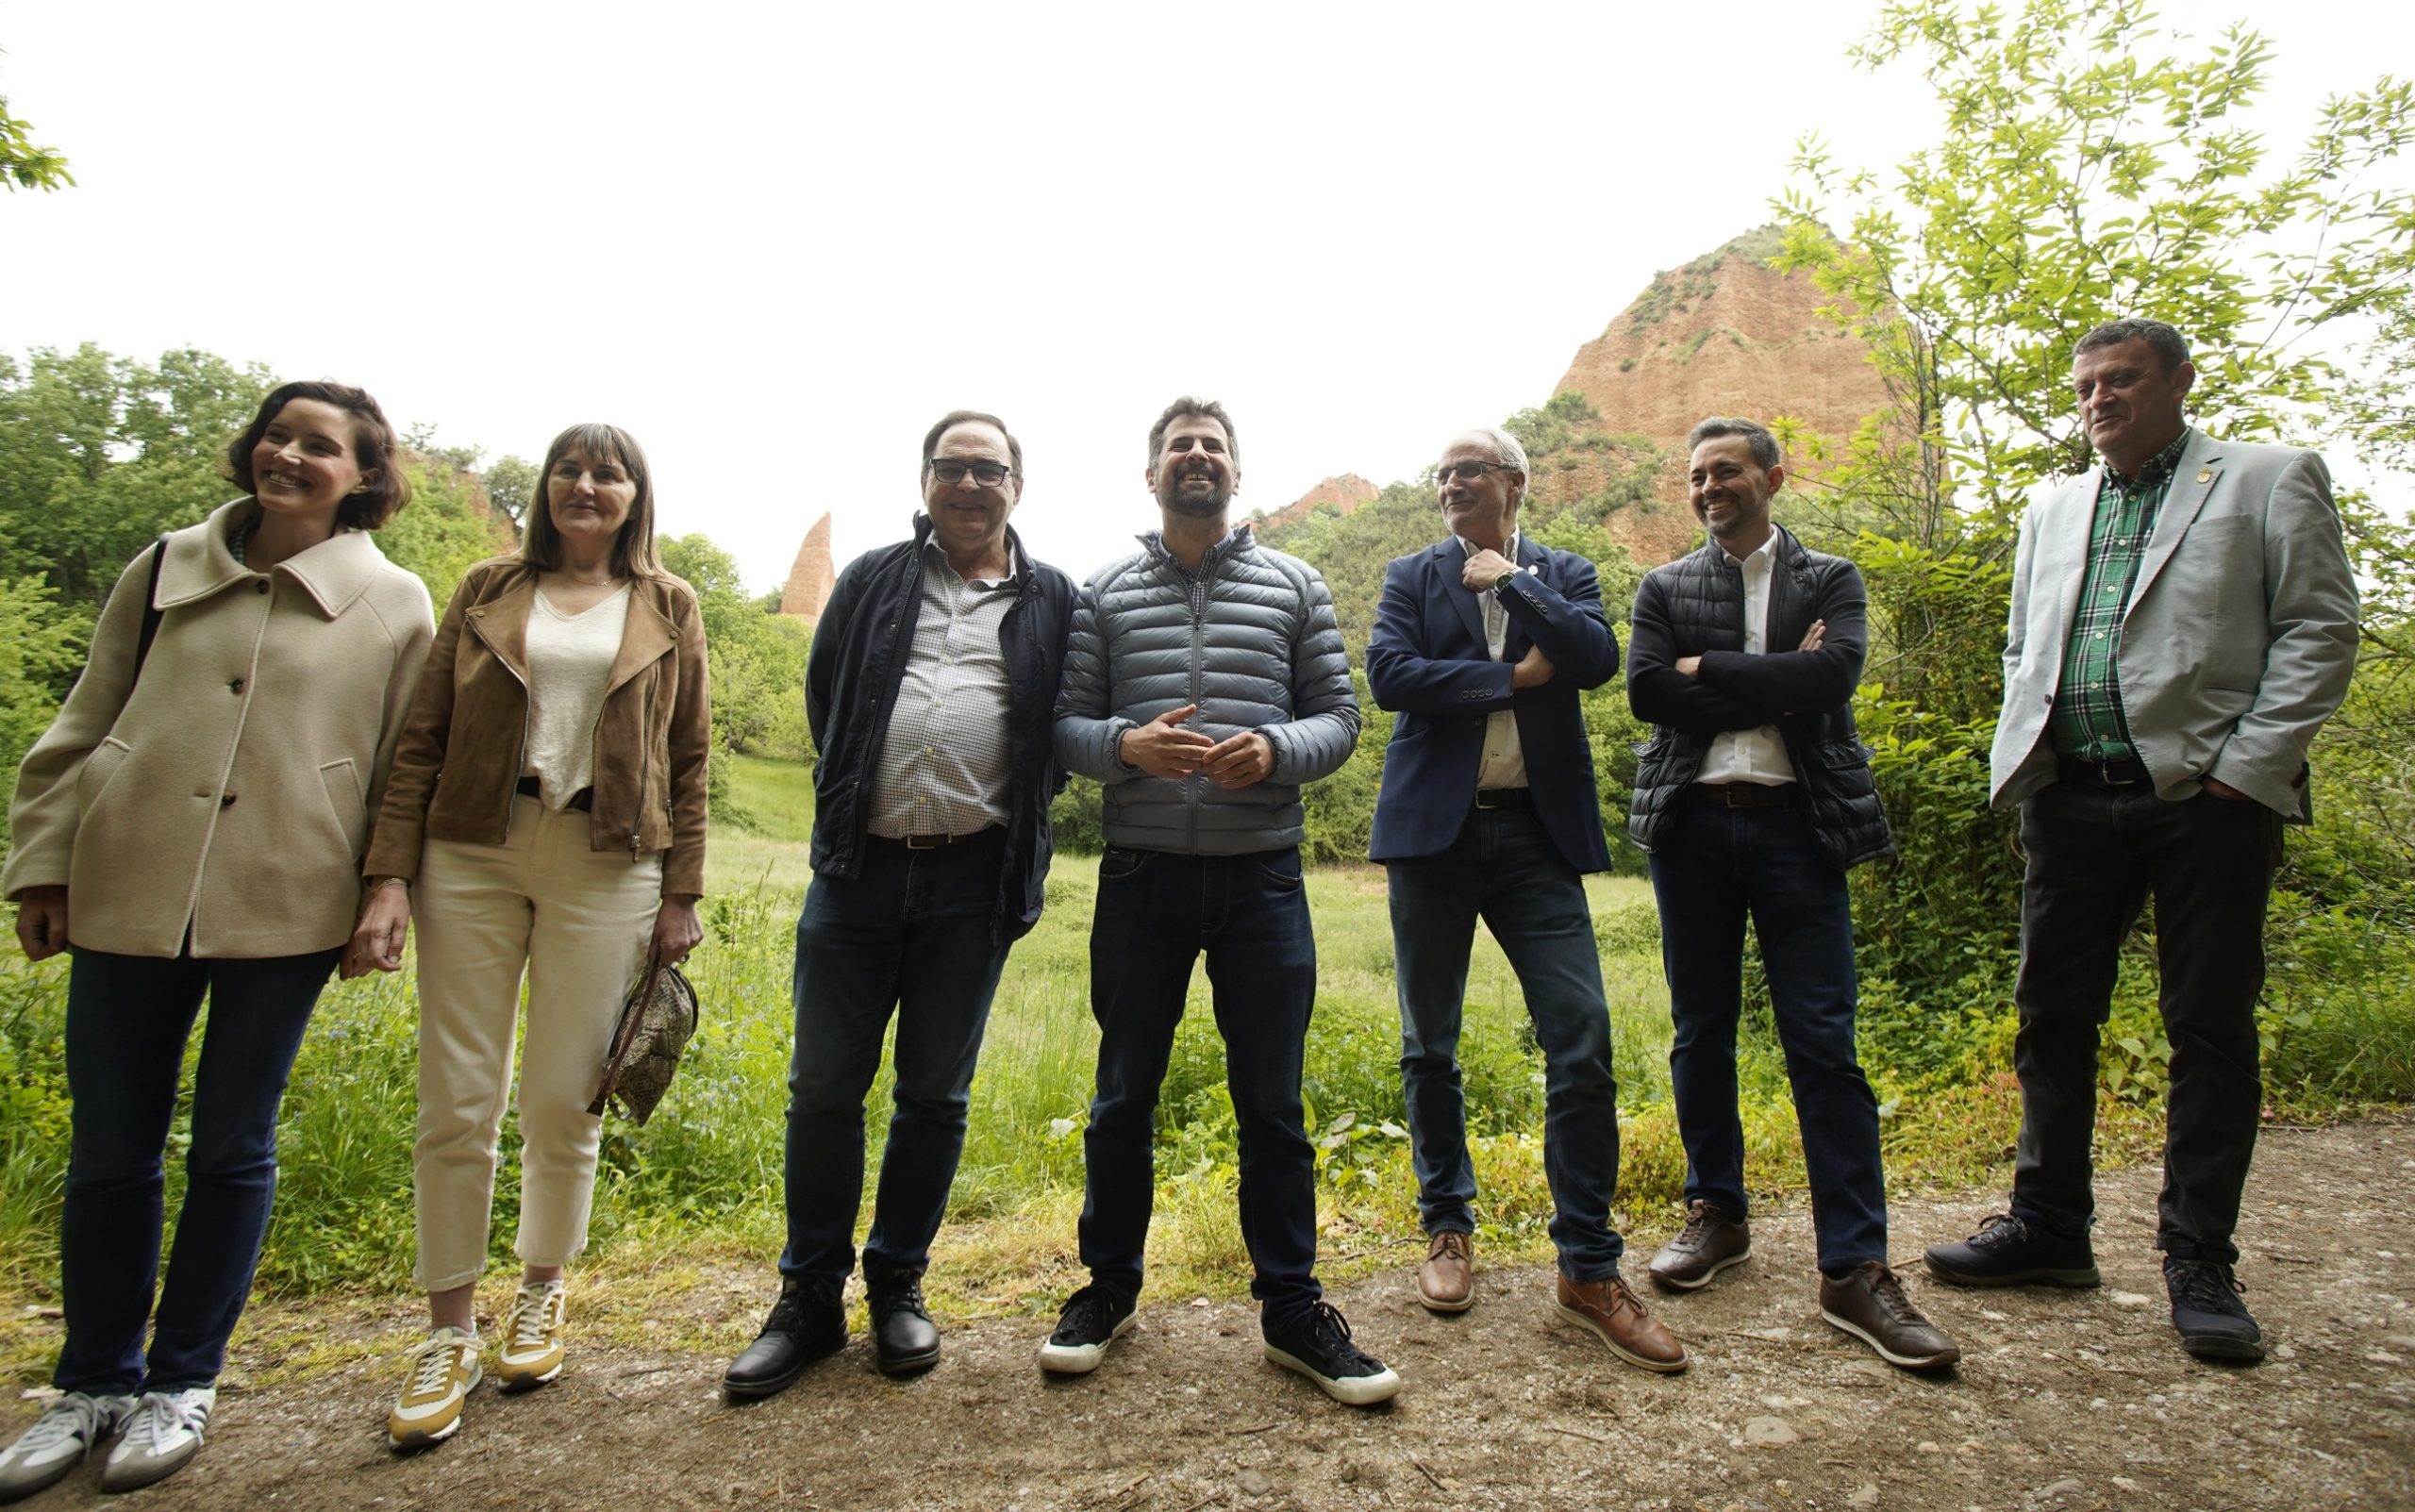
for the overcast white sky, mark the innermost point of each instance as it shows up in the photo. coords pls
(775, 242)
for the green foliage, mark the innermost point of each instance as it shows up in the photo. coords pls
(1076, 818)
(757, 657)
(23, 165)
(2089, 167)
(447, 528)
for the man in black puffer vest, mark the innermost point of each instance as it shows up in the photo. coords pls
(1753, 798)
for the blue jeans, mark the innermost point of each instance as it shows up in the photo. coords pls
(1157, 911)
(917, 933)
(1718, 867)
(1504, 867)
(128, 1020)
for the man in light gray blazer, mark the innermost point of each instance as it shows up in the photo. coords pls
(2184, 618)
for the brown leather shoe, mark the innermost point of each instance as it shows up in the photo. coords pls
(1447, 1282)
(1869, 1305)
(1709, 1243)
(1607, 1308)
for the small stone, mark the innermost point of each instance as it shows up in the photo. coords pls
(1925, 1446)
(2129, 1299)
(1253, 1484)
(1863, 1495)
(2383, 1356)
(2283, 1351)
(2065, 1487)
(1768, 1431)
(2125, 1482)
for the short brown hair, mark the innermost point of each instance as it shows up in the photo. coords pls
(373, 451)
(633, 555)
(1205, 410)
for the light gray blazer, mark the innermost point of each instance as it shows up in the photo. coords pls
(2240, 637)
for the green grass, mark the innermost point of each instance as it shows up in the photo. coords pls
(702, 1182)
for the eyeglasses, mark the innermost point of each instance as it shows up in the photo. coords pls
(1471, 471)
(988, 474)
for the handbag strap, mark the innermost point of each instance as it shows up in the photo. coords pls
(625, 1034)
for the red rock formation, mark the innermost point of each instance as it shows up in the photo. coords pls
(1725, 335)
(810, 576)
(1345, 492)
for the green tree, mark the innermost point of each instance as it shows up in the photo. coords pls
(2089, 166)
(23, 165)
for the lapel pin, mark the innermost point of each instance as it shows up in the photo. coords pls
(2205, 474)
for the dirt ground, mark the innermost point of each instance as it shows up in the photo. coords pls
(2064, 1399)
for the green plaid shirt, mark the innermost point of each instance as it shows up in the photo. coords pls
(2087, 722)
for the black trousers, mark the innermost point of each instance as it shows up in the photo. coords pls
(2096, 854)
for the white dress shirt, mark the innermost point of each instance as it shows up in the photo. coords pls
(1756, 756)
(1504, 761)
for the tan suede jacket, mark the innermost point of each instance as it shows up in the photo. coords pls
(226, 794)
(463, 747)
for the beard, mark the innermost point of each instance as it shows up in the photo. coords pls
(1197, 506)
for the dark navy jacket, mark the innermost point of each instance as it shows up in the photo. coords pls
(851, 681)
(1427, 661)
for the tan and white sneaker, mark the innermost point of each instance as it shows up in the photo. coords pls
(444, 1366)
(532, 1338)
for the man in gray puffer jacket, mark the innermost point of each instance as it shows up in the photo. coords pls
(1205, 681)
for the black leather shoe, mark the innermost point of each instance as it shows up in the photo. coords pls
(904, 1339)
(2008, 1252)
(806, 1324)
(2214, 1325)
(1709, 1243)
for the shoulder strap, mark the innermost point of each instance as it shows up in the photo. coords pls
(150, 611)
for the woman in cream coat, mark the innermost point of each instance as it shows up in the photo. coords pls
(193, 821)
(546, 817)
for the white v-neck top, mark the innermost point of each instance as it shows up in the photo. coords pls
(570, 664)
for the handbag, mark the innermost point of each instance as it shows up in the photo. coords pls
(656, 1022)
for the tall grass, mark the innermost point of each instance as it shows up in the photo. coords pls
(704, 1176)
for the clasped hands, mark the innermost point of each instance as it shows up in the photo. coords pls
(1163, 748)
(1485, 569)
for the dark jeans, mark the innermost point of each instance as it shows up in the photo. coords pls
(2094, 854)
(1717, 868)
(916, 931)
(128, 1020)
(1504, 867)
(1157, 911)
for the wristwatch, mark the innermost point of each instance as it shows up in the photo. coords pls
(1501, 583)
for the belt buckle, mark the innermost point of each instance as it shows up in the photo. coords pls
(926, 842)
(1483, 808)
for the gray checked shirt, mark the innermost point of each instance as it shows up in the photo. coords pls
(942, 768)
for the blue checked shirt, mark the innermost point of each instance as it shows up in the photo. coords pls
(2087, 724)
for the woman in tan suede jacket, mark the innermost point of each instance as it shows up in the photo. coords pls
(192, 822)
(545, 818)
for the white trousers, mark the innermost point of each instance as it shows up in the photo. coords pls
(578, 921)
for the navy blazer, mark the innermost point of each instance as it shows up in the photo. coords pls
(1426, 662)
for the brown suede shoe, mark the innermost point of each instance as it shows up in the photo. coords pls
(1869, 1305)
(1607, 1308)
(1447, 1282)
(1709, 1243)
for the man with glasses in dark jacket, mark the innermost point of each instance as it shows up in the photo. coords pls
(931, 689)
(1205, 681)
(1753, 798)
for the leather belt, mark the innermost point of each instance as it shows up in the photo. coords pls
(1503, 797)
(941, 839)
(583, 800)
(1744, 794)
(2128, 773)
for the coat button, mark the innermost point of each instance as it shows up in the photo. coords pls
(263, 586)
(235, 687)
(228, 802)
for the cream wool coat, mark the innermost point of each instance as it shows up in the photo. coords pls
(233, 789)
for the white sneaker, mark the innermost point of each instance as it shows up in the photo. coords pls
(66, 1433)
(444, 1366)
(160, 1439)
(532, 1338)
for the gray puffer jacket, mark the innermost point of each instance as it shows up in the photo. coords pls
(1251, 639)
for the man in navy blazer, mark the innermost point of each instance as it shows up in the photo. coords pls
(1482, 645)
